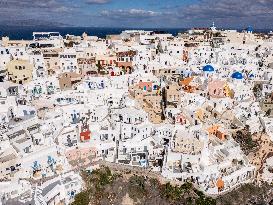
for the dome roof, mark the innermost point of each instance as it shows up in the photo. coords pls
(237, 75)
(208, 68)
(251, 75)
(249, 29)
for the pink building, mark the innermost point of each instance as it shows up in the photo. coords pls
(145, 85)
(180, 119)
(217, 89)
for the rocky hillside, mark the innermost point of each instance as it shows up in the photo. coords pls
(104, 187)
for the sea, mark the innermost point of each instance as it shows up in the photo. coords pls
(18, 33)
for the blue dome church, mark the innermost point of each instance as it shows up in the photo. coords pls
(237, 75)
(249, 29)
(208, 70)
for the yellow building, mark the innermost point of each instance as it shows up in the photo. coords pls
(227, 91)
(19, 71)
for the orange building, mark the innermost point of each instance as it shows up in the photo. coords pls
(220, 184)
(85, 135)
(185, 83)
(216, 131)
(213, 129)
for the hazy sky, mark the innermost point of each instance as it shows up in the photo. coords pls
(138, 13)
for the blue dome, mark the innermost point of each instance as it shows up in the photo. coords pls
(237, 75)
(208, 68)
(251, 75)
(249, 29)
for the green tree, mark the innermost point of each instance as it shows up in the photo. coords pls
(81, 198)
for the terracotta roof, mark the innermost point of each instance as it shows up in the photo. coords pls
(220, 183)
(186, 81)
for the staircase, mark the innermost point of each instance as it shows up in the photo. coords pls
(38, 197)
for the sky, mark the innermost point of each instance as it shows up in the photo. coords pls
(138, 13)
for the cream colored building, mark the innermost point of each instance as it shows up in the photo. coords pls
(240, 38)
(20, 43)
(20, 71)
(52, 62)
(187, 145)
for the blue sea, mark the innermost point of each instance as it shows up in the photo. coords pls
(18, 33)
